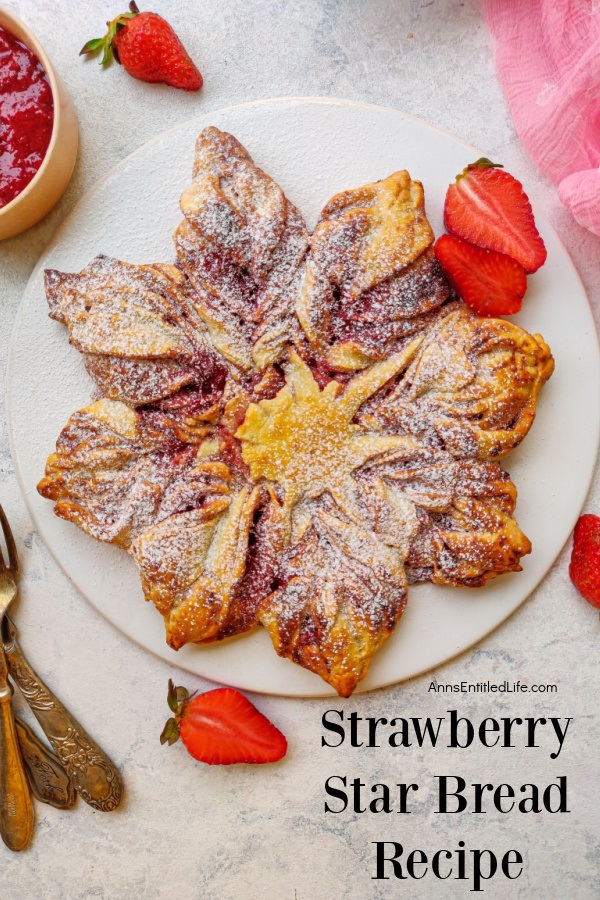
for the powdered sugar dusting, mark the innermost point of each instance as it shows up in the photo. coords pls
(403, 485)
(241, 244)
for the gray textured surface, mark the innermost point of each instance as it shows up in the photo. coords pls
(228, 834)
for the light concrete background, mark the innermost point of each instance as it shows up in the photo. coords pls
(191, 831)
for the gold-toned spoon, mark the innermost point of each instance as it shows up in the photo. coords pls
(95, 777)
(48, 777)
(93, 774)
(16, 807)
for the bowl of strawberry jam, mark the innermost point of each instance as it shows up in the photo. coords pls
(38, 129)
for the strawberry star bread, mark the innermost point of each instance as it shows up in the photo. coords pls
(293, 428)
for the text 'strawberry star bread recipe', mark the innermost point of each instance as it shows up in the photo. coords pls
(292, 428)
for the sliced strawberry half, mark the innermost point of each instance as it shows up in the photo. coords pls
(489, 208)
(222, 727)
(492, 284)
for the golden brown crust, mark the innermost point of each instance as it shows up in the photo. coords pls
(342, 592)
(241, 244)
(114, 474)
(192, 562)
(471, 388)
(371, 279)
(466, 532)
(370, 234)
(133, 328)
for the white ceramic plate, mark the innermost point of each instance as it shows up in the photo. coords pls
(313, 148)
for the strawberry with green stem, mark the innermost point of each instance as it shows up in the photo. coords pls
(221, 727)
(148, 48)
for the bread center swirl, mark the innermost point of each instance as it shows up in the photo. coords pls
(304, 438)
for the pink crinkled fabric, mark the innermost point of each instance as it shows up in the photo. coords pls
(548, 58)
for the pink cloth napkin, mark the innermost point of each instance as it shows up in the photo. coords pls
(548, 58)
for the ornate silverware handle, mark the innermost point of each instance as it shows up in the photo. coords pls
(16, 808)
(47, 775)
(94, 775)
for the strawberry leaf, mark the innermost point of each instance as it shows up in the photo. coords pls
(484, 163)
(106, 43)
(182, 694)
(107, 56)
(170, 733)
(172, 696)
(92, 46)
(178, 698)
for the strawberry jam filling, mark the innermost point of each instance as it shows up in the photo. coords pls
(26, 116)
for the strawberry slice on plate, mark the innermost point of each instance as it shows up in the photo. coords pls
(492, 284)
(221, 727)
(488, 207)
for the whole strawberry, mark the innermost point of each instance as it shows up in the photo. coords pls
(148, 48)
(585, 559)
(221, 727)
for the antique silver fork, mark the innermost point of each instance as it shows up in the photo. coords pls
(92, 773)
(16, 807)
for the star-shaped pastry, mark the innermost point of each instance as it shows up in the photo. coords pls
(292, 427)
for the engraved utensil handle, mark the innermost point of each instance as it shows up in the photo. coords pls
(47, 776)
(94, 775)
(16, 808)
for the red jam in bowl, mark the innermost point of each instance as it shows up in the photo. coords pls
(26, 116)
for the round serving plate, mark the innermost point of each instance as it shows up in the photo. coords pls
(313, 148)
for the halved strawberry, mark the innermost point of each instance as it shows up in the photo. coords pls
(489, 208)
(492, 284)
(221, 727)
